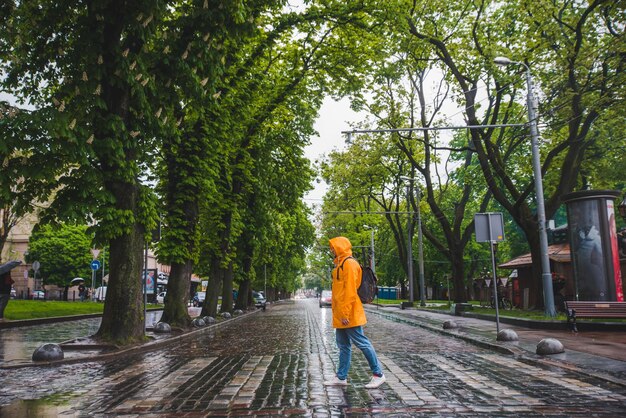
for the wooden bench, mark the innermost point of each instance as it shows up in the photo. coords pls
(590, 309)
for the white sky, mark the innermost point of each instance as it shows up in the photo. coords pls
(334, 117)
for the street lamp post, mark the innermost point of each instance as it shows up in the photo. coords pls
(409, 246)
(420, 251)
(419, 241)
(548, 296)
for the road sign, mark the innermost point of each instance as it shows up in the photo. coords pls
(95, 265)
(95, 252)
(36, 265)
(489, 227)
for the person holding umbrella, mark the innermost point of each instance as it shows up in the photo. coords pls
(6, 283)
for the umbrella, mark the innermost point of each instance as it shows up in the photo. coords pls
(6, 267)
(77, 280)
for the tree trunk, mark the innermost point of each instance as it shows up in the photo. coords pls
(175, 311)
(536, 285)
(123, 320)
(227, 290)
(243, 296)
(458, 274)
(213, 290)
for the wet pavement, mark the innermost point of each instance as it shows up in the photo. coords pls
(18, 344)
(273, 363)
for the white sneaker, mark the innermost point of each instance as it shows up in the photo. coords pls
(376, 382)
(335, 381)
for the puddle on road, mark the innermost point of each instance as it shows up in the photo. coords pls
(18, 344)
(38, 408)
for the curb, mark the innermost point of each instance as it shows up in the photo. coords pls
(126, 351)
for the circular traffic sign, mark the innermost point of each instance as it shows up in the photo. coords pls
(36, 265)
(95, 265)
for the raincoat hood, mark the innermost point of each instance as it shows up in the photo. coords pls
(342, 248)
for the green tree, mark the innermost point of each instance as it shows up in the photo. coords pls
(63, 252)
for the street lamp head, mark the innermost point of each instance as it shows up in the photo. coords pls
(502, 61)
(349, 138)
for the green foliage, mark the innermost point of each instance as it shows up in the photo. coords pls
(63, 251)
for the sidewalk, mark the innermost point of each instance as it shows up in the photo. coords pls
(597, 353)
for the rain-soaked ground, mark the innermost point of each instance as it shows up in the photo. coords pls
(18, 344)
(273, 363)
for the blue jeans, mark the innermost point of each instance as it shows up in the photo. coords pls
(345, 337)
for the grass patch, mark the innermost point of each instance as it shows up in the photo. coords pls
(18, 309)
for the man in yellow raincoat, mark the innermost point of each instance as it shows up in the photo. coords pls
(349, 315)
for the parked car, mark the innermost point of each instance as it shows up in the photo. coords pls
(161, 297)
(198, 298)
(259, 299)
(326, 298)
(37, 294)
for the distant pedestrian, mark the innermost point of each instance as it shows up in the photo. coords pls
(349, 315)
(81, 292)
(6, 284)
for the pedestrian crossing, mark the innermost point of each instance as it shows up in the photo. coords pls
(240, 390)
(571, 384)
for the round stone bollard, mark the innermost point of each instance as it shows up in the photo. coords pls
(162, 327)
(226, 315)
(238, 312)
(209, 320)
(450, 324)
(48, 352)
(507, 335)
(550, 346)
(198, 322)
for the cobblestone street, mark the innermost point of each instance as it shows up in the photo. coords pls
(273, 363)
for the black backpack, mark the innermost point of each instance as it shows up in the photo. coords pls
(368, 289)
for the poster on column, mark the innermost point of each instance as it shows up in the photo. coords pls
(150, 280)
(617, 272)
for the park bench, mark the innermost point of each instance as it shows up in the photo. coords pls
(592, 309)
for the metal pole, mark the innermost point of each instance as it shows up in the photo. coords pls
(409, 246)
(495, 283)
(145, 284)
(104, 254)
(548, 296)
(495, 276)
(373, 258)
(265, 281)
(420, 252)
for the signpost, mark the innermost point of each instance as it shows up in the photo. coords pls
(95, 265)
(36, 266)
(489, 228)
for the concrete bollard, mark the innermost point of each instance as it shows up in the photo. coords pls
(507, 335)
(198, 322)
(238, 312)
(48, 352)
(550, 346)
(226, 315)
(162, 327)
(450, 324)
(209, 320)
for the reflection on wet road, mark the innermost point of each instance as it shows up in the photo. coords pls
(273, 363)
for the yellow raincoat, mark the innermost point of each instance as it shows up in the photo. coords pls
(346, 303)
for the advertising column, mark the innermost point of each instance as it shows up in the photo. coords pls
(593, 245)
